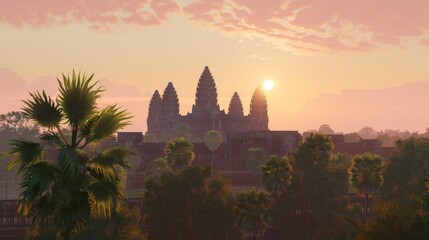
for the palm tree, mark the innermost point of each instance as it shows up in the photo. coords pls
(78, 183)
(366, 175)
(179, 153)
(251, 213)
(276, 175)
(213, 139)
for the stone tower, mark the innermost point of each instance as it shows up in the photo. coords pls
(259, 110)
(206, 94)
(154, 112)
(169, 107)
(235, 107)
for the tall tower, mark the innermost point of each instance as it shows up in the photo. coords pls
(235, 107)
(206, 95)
(154, 112)
(169, 107)
(259, 110)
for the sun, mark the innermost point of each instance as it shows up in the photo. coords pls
(268, 84)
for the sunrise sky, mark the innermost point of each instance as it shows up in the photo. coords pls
(344, 63)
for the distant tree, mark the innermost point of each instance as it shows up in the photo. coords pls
(179, 153)
(156, 168)
(251, 213)
(149, 138)
(276, 175)
(187, 205)
(366, 176)
(406, 171)
(326, 129)
(255, 158)
(76, 184)
(367, 133)
(390, 221)
(213, 139)
(318, 192)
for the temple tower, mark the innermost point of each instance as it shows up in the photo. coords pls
(206, 95)
(235, 107)
(169, 108)
(259, 110)
(154, 112)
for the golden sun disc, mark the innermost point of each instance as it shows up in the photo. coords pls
(268, 84)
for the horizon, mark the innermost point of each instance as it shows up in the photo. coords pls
(331, 63)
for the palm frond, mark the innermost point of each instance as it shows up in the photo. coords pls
(73, 161)
(110, 120)
(39, 179)
(24, 153)
(51, 137)
(43, 110)
(78, 98)
(105, 196)
(105, 163)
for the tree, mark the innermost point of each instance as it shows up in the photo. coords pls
(366, 175)
(190, 204)
(77, 183)
(213, 139)
(326, 129)
(406, 171)
(251, 213)
(276, 175)
(255, 157)
(318, 190)
(179, 153)
(182, 130)
(156, 168)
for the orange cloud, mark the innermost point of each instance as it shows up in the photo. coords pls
(99, 14)
(321, 26)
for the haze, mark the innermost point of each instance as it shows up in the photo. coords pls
(344, 63)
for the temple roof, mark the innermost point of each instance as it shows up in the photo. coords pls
(235, 106)
(206, 94)
(169, 102)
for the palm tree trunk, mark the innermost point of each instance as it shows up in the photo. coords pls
(365, 216)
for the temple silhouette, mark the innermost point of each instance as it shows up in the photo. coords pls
(164, 112)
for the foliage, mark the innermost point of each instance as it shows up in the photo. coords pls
(156, 168)
(255, 157)
(251, 213)
(366, 173)
(179, 153)
(317, 196)
(389, 221)
(182, 130)
(276, 175)
(213, 139)
(76, 184)
(123, 225)
(187, 205)
(406, 170)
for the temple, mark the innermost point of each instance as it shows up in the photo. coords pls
(164, 113)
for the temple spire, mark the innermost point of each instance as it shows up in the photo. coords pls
(235, 107)
(259, 108)
(170, 102)
(154, 111)
(206, 95)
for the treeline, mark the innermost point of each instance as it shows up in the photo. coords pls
(311, 195)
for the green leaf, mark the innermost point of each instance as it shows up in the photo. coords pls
(78, 98)
(108, 122)
(24, 153)
(43, 110)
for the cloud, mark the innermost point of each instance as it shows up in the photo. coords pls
(329, 26)
(403, 107)
(99, 14)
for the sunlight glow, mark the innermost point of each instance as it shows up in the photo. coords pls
(268, 84)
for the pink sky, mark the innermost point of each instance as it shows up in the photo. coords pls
(341, 62)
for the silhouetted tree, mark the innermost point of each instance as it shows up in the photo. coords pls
(77, 184)
(213, 139)
(366, 176)
(179, 153)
